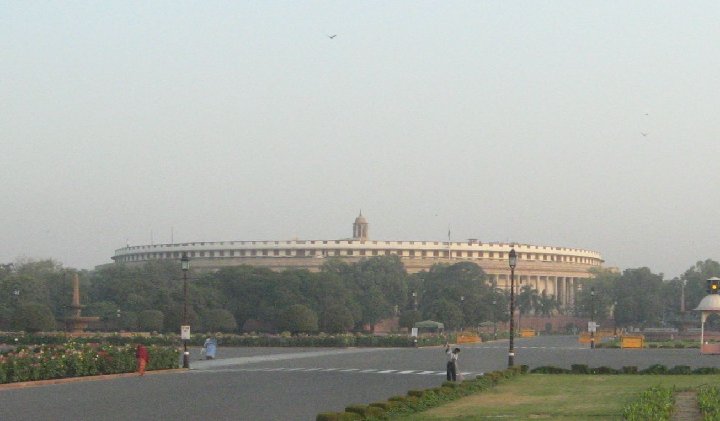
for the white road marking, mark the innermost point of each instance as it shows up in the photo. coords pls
(321, 369)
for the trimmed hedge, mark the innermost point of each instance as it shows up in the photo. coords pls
(653, 369)
(421, 400)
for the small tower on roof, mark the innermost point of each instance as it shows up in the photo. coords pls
(360, 228)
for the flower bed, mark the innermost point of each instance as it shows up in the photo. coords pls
(72, 359)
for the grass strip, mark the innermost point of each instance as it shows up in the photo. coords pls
(566, 397)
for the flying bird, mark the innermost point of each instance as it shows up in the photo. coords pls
(332, 36)
(644, 134)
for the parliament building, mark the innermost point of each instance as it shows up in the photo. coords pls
(554, 270)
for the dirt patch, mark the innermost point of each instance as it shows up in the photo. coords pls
(686, 407)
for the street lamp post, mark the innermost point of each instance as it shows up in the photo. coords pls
(592, 317)
(682, 305)
(462, 313)
(512, 261)
(494, 319)
(185, 265)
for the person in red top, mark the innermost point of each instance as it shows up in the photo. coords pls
(141, 354)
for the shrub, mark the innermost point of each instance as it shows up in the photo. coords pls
(374, 412)
(707, 370)
(327, 416)
(420, 400)
(579, 369)
(708, 398)
(549, 369)
(357, 408)
(680, 369)
(383, 405)
(655, 369)
(629, 369)
(606, 370)
(654, 404)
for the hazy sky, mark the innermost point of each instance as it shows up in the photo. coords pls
(523, 121)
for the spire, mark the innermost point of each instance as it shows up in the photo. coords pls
(360, 228)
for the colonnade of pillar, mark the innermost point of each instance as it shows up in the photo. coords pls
(562, 288)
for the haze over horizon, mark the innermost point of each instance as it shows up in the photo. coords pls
(589, 125)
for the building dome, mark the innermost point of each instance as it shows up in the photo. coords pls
(360, 219)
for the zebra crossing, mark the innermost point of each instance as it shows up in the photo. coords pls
(338, 370)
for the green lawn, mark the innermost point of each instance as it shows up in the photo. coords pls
(559, 397)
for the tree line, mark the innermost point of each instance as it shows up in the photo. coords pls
(341, 297)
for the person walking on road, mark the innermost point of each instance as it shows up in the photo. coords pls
(452, 362)
(142, 356)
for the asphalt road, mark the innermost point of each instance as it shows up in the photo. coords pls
(298, 383)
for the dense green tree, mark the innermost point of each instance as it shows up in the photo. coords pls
(173, 318)
(462, 285)
(107, 311)
(546, 305)
(297, 319)
(219, 320)
(446, 312)
(696, 278)
(638, 298)
(34, 317)
(344, 295)
(336, 319)
(528, 299)
(151, 320)
(408, 318)
(379, 285)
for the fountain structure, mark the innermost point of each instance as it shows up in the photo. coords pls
(76, 323)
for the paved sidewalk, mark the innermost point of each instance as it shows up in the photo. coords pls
(224, 362)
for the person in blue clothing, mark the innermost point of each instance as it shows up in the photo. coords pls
(209, 348)
(452, 362)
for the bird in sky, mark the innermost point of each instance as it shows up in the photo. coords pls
(332, 36)
(644, 134)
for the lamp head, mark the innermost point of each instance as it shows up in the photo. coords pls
(512, 258)
(185, 263)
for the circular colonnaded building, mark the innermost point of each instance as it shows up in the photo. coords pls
(549, 269)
